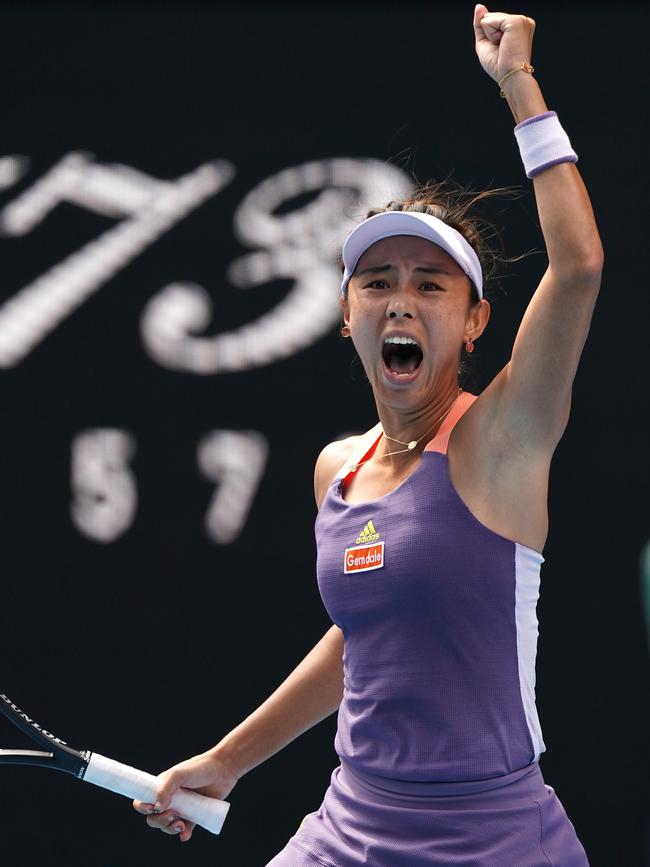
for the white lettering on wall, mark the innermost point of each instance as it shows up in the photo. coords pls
(104, 488)
(12, 170)
(235, 460)
(148, 208)
(301, 245)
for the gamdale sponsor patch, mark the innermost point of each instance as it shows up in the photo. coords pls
(367, 555)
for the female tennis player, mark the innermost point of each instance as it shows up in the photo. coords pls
(430, 532)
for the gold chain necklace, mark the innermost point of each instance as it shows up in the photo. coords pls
(410, 445)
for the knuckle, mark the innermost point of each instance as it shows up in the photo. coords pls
(160, 820)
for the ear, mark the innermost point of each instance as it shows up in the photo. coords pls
(345, 309)
(478, 318)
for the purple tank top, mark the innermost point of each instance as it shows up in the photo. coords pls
(438, 617)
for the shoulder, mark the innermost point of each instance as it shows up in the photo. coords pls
(329, 462)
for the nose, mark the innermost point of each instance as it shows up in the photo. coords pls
(399, 306)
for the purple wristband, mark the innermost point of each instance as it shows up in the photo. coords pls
(543, 143)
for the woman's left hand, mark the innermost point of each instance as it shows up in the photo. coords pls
(503, 41)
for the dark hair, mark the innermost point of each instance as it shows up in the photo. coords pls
(456, 206)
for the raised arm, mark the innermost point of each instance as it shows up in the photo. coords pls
(534, 389)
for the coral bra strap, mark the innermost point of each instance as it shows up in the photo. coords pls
(441, 440)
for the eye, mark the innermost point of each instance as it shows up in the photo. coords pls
(377, 284)
(432, 287)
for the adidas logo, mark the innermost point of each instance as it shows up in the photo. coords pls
(368, 534)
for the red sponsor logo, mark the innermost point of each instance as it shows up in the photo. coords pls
(362, 558)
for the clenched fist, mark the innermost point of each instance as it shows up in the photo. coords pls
(503, 41)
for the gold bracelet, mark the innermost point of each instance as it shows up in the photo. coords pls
(525, 67)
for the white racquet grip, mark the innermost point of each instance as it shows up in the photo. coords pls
(543, 143)
(210, 813)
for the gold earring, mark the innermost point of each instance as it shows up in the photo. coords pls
(469, 346)
(345, 331)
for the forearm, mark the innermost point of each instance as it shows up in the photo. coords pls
(565, 213)
(312, 692)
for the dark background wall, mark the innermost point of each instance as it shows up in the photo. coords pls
(129, 625)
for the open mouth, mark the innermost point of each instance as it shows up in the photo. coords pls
(402, 355)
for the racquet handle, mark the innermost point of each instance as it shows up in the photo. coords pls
(210, 813)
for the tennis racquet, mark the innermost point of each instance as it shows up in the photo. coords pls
(94, 768)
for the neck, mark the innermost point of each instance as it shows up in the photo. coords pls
(420, 424)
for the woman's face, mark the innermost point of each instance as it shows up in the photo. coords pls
(408, 287)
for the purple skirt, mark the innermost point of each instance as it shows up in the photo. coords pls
(511, 821)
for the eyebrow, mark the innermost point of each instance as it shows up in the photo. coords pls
(426, 269)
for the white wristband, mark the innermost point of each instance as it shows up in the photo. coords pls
(543, 143)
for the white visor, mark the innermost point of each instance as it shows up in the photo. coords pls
(390, 223)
